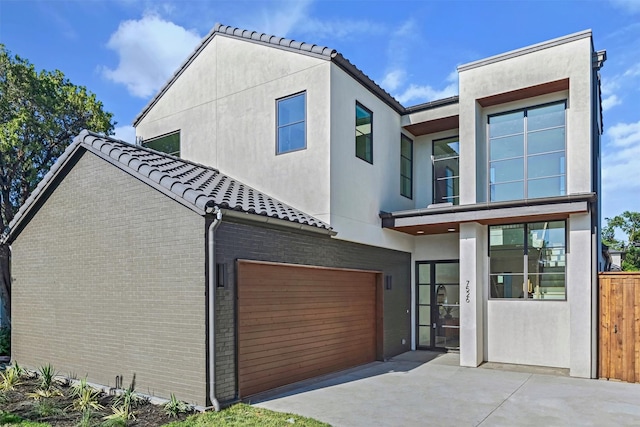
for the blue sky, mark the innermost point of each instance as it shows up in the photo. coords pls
(125, 50)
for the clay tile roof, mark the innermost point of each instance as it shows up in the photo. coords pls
(189, 183)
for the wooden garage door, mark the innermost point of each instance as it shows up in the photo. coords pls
(297, 322)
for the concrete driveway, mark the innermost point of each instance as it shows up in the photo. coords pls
(423, 389)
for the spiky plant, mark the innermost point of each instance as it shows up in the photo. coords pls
(9, 379)
(78, 387)
(46, 373)
(87, 399)
(175, 407)
(44, 394)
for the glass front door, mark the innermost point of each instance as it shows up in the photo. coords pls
(438, 304)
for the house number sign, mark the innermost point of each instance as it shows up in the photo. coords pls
(468, 291)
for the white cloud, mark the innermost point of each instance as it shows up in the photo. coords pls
(283, 18)
(634, 70)
(631, 6)
(393, 79)
(620, 165)
(150, 50)
(621, 159)
(610, 102)
(333, 29)
(624, 134)
(417, 94)
(125, 133)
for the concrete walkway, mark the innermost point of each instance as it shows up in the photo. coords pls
(424, 389)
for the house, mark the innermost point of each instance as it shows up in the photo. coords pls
(304, 221)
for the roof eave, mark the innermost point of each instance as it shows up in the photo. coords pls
(367, 82)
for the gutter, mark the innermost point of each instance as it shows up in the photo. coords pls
(211, 208)
(277, 221)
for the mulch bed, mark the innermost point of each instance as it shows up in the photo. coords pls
(18, 402)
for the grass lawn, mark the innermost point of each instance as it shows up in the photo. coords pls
(246, 415)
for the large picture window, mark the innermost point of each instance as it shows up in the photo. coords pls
(527, 153)
(406, 166)
(364, 133)
(169, 144)
(528, 260)
(446, 171)
(291, 123)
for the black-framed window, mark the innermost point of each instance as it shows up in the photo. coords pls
(291, 132)
(446, 170)
(169, 143)
(528, 261)
(406, 166)
(364, 133)
(527, 153)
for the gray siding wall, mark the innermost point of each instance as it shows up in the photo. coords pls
(108, 279)
(236, 240)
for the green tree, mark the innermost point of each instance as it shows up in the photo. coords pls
(629, 223)
(40, 113)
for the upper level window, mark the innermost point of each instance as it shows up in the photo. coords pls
(406, 166)
(527, 153)
(364, 133)
(291, 123)
(528, 260)
(446, 171)
(169, 144)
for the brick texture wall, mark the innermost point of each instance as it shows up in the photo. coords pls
(108, 279)
(238, 240)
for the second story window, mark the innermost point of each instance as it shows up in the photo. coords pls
(406, 166)
(169, 143)
(446, 171)
(364, 133)
(291, 123)
(527, 153)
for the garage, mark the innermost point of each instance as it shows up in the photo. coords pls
(297, 322)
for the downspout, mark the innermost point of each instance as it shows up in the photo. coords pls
(210, 208)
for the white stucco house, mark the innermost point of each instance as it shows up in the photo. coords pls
(494, 193)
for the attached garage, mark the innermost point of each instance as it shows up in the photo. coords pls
(305, 305)
(296, 322)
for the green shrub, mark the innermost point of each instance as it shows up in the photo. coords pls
(5, 341)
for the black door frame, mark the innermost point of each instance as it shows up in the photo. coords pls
(433, 302)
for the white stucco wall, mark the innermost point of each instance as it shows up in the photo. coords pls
(570, 60)
(528, 332)
(360, 190)
(473, 293)
(224, 105)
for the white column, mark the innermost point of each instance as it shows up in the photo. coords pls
(579, 294)
(472, 299)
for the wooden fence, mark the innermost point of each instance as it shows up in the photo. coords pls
(619, 326)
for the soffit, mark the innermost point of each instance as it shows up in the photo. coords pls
(524, 93)
(433, 126)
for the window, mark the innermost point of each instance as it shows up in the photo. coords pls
(291, 123)
(446, 171)
(528, 260)
(406, 166)
(364, 133)
(527, 153)
(169, 144)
